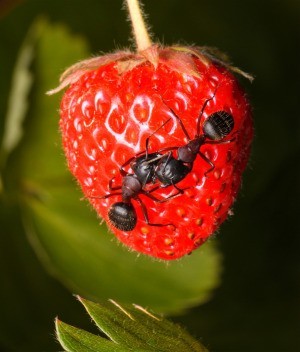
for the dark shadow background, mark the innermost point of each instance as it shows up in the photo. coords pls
(257, 307)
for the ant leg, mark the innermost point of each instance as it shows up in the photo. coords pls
(169, 155)
(155, 188)
(215, 142)
(209, 162)
(129, 161)
(222, 142)
(145, 213)
(149, 195)
(225, 141)
(167, 149)
(111, 187)
(180, 190)
(203, 108)
(106, 196)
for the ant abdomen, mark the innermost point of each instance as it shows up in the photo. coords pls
(218, 125)
(123, 216)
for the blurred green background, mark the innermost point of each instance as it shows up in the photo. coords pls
(253, 303)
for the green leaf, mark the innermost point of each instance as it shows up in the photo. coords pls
(76, 340)
(135, 327)
(18, 98)
(81, 253)
(39, 157)
(129, 326)
(64, 231)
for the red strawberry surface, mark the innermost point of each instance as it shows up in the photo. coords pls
(113, 105)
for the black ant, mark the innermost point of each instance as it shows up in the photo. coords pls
(147, 168)
(122, 214)
(169, 170)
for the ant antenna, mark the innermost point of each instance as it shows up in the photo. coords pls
(178, 119)
(203, 108)
(148, 138)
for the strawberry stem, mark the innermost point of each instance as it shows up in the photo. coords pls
(139, 29)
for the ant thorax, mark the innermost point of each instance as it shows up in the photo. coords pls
(188, 153)
(131, 187)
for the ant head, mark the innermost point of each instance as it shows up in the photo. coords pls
(144, 166)
(218, 125)
(123, 216)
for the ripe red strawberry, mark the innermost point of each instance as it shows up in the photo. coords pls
(116, 101)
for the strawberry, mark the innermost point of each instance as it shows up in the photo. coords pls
(117, 101)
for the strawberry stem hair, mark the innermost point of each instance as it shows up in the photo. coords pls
(139, 28)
